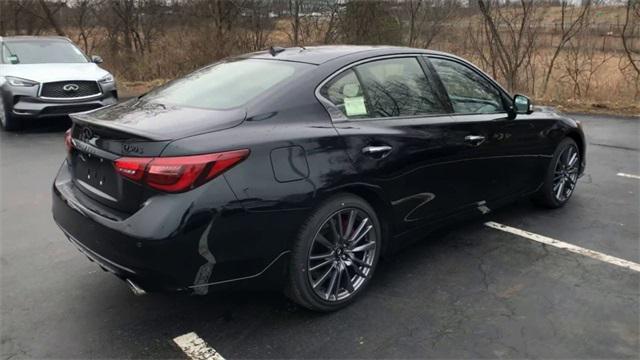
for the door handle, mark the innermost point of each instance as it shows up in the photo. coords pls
(377, 151)
(474, 140)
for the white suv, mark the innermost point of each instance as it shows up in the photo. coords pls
(47, 76)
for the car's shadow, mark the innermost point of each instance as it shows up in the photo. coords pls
(46, 125)
(454, 281)
(225, 318)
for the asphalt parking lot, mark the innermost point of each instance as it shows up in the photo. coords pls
(466, 292)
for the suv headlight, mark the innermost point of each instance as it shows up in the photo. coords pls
(107, 79)
(16, 81)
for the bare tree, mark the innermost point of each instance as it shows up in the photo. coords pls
(150, 23)
(512, 34)
(629, 30)
(572, 19)
(317, 22)
(50, 15)
(412, 8)
(125, 10)
(25, 16)
(427, 19)
(629, 63)
(331, 9)
(370, 22)
(585, 57)
(257, 23)
(83, 18)
(294, 12)
(221, 15)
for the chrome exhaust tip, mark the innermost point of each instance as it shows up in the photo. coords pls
(137, 290)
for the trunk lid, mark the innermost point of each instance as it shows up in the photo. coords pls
(157, 121)
(131, 129)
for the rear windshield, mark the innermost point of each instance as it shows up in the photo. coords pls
(226, 85)
(41, 52)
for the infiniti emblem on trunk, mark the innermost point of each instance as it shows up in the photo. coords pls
(86, 134)
(71, 88)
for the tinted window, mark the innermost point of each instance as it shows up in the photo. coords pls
(41, 52)
(469, 91)
(226, 85)
(345, 92)
(384, 88)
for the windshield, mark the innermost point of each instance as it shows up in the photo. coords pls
(41, 52)
(226, 85)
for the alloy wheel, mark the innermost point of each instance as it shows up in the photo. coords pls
(342, 254)
(566, 172)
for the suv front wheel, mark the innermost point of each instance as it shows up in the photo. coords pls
(6, 120)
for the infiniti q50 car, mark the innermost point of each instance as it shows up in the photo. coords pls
(300, 167)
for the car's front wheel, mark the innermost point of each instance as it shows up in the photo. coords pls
(561, 177)
(6, 120)
(335, 254)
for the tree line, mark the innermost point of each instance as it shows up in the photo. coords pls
(529, 45)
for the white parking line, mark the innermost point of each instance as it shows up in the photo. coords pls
(629, 176)
(196, 348)
(563, 245)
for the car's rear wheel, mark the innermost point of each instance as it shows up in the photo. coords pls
(561, 177)
(335, 254)
(6, 120)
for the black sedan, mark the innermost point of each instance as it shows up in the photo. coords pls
(300, 167)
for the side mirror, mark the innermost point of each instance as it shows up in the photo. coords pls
(96, 59)
(13, 59)
(522, 104)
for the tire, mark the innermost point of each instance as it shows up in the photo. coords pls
(354, 251)
(561, 177)
(8, 122)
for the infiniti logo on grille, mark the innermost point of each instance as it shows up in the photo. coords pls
(71, 88)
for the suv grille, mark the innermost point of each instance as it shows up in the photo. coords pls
(69, 89)
(65, 110)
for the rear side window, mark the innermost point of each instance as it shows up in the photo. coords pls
(226, 85)
(345, 92)
(384, 88)
(469, 92)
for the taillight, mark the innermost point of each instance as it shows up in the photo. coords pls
(181, 173)
(68, 143)
(132, 168)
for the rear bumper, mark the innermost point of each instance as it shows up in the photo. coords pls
(123, 255)
(121, 271)
(167, 245)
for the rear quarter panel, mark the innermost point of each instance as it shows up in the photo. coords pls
(296, 158)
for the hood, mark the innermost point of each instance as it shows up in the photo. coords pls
(54, 72)
(161, 122)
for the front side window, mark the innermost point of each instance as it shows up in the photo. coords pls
(41, 52)
(226, 85)
(384, 88)
(469, 92)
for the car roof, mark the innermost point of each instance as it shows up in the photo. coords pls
(33, 38)
(321, 54)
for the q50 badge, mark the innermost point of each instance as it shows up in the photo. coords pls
(132, 148)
